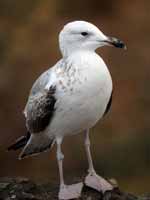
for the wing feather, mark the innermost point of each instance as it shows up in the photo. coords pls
(40, 110)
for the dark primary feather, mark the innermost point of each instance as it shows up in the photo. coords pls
(37, 143)
(20, 142)
(40, 110)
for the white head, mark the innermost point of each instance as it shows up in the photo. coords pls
(81, 35)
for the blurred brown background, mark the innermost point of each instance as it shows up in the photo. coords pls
(29, 45)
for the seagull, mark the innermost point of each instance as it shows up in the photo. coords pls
(70, 98)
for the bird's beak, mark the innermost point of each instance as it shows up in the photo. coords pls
(115, 42)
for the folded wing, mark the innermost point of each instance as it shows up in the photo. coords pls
(40, 110)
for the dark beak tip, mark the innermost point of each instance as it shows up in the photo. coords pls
(117, 43)
(112, 41)
(120, 44)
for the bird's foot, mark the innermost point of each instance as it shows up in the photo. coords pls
(98, 183)
(70, 191)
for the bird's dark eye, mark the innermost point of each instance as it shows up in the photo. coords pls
(84, 33)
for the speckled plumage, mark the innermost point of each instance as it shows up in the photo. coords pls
(70, 98)
(40, 110)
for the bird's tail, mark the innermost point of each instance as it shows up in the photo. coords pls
(20, 142)
(33, 144)
(36, 144)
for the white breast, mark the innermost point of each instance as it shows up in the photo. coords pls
(83, 92)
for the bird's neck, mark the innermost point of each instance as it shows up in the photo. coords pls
(81, 59)
(80, 54)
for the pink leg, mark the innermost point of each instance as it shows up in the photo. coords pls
(92, 179)
(66, 192)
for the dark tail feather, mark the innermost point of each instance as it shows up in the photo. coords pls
(36, 144)
(20, 142)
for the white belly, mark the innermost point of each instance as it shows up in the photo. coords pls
(83, 102)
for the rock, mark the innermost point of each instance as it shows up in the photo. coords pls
(24, 189)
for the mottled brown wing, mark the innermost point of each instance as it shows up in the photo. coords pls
(40, 110)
